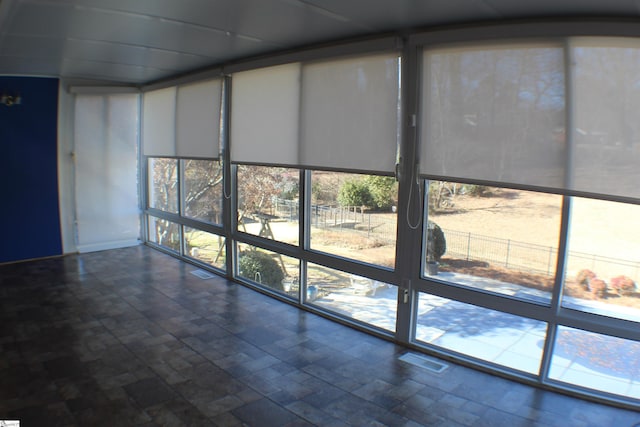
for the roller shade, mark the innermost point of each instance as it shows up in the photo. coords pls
(265, 107)
(497, 113)
(494, 113)
(183, 120)
(340, 114)
(158, 122)
(606, 133)
(106, 175)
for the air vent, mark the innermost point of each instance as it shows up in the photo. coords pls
(204, 275)
(425, 362)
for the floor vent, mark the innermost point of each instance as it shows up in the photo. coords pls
(204, 275)
(425, 362)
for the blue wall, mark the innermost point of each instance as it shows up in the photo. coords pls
(29, 214)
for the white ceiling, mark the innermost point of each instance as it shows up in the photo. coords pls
(140, 41)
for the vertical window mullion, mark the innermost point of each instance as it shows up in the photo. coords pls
(556, 297)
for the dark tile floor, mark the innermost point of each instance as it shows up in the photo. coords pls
(130, 338)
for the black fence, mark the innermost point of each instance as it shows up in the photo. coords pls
(461, 244)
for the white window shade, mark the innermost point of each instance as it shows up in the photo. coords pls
(494, 113)
(606, 132)
(106, 176)
(158, 122)
(198, 119)
(349, 113)
(264, 115)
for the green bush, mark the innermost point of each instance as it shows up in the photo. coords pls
(436, 241)
(373, 192)
(383, 190)
(355, 192)
(262, 268)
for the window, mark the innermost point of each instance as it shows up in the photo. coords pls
(595, 361)
(496, 239)
(360, 298)
(603, 268)
(528, 151)
(164, 233)
(275, 271)
(202, 196)
(205, 247)
(268, 202)
(353, 216)
(493, 336)
(163, 184)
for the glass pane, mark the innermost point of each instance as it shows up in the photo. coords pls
(270, 269)
(164, 233)
(206, 247)
(203, 190)
(353, 216)
(603, 268)
(163, 184)
(496, 239)
(268, 202)
(495, 113)
(359, 298)
(595, 361)
(494, 336)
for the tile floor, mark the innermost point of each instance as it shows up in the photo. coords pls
(130, 338)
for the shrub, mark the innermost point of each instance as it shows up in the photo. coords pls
(584, 277)
(598, 288)
(355, 192)
(253, 262)
(383, 190)
(436, 242)
(477, 190)
(623, 285)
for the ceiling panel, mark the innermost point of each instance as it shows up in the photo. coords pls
(139, 41)
(118, 27)
(563, 8)
(409, 13)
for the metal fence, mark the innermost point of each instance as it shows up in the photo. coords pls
(531, 257)
(501, 252)
(460, 244)
(340, 218)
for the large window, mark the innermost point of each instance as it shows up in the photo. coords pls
(202, 194)
(495, 239)
(275, 271)
(354, 216)
(490, 335)
(529, 156)
(163, 184)
(352, 296)
(510, 134)
(596, 361)
(205, 247)
(164, 233)
(268, 202)
(603, 264)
